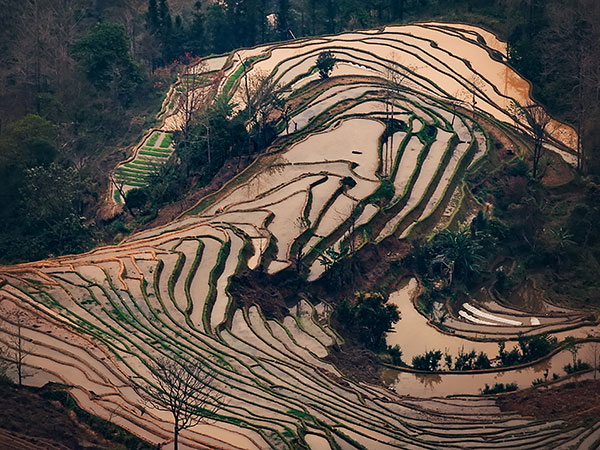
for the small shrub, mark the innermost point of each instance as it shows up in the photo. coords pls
(326, 61)
(577, 367)
(396, 355)
(348, 181)
(429, 361)
(519, 169)
(499, 388)
(537, 382)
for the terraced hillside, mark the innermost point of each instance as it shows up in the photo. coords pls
(378, 151)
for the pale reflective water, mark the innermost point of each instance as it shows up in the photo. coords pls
(415, 336)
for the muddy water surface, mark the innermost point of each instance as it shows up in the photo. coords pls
(415, 336)
(435, 385)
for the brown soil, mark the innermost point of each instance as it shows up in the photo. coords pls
(30, 421)
(571, 401)
(270, 292)
(355, 363)
(558, 171)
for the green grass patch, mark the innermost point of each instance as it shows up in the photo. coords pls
(152, 139)
(166, 142)
(132, 182)
(142, 165)
(157, 154)
(166, 151)
(131, 171)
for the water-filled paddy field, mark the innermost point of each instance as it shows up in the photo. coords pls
(100, 320)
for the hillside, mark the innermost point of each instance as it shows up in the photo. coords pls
(397, 142)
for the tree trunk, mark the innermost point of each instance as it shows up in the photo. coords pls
(19, 354)
(208, 144)
(176, 435)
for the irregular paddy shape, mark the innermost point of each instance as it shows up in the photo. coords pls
(99, 320)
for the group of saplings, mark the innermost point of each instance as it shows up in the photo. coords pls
(530, 348)
(431, 361)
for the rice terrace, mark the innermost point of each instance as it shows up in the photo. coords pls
(373, 157)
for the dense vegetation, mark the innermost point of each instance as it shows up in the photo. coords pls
(368, 318)
(93, 74)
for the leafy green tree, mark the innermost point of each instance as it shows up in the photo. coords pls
(498, 388)
(197, 39)
(218, 29)
(331, 16)
(28, 142)
(368, 318)
(51, 205)
(465, 361)
(397, 7)
(152, 19)
(164, 18)
(396, 355)
(534, 347)
(103, 55)
(458, 252)
(562, 245)
(137, 198)
(582, 224)
(482, 362)
(283, 19)
(214, 137)
(325, 63)
(430, 361)
(508, 358)
(165, 184)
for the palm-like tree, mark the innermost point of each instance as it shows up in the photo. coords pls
(459, 253)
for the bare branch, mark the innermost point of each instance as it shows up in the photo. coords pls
(186, 389)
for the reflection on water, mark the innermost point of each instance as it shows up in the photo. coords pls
(415, 336)
(419, 385)
(429, 381)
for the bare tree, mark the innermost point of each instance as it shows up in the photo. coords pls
(593, 353)
(455, 102)
(186, 389)
(475, 84)
(396, 79)
(264, 96)
(573, 349)
(248, 99)
(194, 91)
(301, 223)
(16, 349)
(537, 120)
(4, 363)
(119, 187)
(572, 51)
